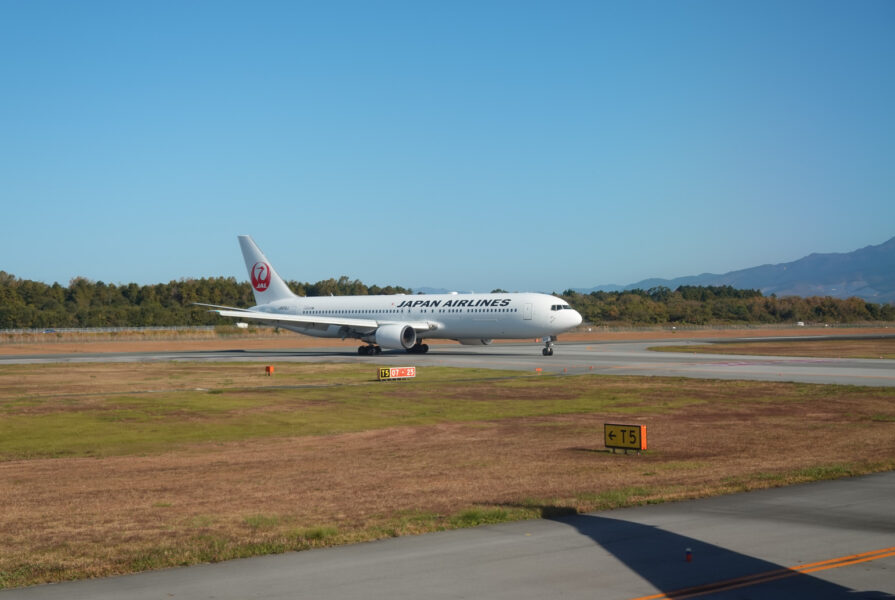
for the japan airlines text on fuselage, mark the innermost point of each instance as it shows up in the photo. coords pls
(402, 321)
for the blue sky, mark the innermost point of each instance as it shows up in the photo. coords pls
(465, 145)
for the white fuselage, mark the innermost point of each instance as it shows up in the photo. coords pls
(449, 316)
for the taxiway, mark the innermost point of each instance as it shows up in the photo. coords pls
(617, 358)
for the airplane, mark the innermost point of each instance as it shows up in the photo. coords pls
(400, 321)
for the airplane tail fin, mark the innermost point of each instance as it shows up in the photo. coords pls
(266, 284)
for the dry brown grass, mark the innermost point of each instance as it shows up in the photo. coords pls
(64, 379)
(77, 517)
(97, 517)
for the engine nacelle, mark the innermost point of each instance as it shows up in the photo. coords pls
(474, 342)
(396, 337)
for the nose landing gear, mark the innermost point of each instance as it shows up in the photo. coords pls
(548, 346)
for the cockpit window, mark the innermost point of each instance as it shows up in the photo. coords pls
(560, 307)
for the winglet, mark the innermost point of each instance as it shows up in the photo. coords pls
(266, 284)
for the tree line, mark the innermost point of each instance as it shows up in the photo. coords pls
(26, 304)
(708, 305)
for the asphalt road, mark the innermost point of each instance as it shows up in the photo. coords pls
(619, 358)
(832, 539)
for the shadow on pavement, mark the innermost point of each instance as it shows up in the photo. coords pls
(660, 557)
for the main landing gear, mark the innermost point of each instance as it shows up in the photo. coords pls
(548, 346)
(418, 348)
(372, 350)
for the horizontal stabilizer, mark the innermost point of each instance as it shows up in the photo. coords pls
(221, 307)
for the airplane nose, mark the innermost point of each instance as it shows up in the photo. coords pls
(577, 319)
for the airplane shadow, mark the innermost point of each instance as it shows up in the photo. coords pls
(659, 557)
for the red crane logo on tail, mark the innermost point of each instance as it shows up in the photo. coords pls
(260, 276)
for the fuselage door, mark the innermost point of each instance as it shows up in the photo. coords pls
(526, 311)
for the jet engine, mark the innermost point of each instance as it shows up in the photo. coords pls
(396, 336)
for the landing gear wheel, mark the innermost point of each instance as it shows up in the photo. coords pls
(418, 348)
(369, 350)
(547, 351)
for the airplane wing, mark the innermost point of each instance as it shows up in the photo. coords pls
(311, 320)
(299, 319)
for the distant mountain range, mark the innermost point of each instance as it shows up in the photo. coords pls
(868, 273)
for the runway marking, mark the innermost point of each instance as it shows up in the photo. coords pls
(755, 579)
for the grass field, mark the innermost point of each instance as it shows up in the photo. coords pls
(115, 468)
